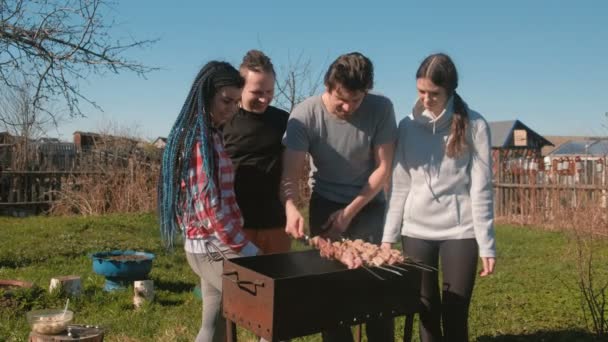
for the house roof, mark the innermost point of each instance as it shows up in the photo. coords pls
(502, 134)
(500, 131)
(559, 140)
(87, 133)
(590, 147)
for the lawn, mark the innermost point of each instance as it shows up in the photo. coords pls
(532, 297)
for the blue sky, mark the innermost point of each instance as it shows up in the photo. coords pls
(543, 62)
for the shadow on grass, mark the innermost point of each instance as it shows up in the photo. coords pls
(173, 286)
(17, 261)
(169, 302)
(545, 336)
(12, 263)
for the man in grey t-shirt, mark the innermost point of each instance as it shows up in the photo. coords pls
(350, 135)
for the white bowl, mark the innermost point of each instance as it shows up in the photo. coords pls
(49, 321)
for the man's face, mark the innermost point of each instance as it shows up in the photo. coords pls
(343, 102)
(258, 91)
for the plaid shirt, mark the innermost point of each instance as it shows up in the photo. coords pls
(214, 212)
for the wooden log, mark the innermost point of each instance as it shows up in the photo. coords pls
(70, 285)
(143, 292)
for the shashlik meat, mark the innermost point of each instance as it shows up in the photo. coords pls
(355, 253)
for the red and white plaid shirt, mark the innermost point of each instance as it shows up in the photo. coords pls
(215, 211)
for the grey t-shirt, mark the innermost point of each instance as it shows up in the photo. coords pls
(341, 149)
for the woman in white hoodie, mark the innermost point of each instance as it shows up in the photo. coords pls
(441, 200)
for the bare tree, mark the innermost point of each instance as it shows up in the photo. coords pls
(21, 119)
(591, 280)
(18, 115)
(50, 46)
(297, 81)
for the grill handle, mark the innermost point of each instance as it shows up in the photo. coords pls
(241, 283)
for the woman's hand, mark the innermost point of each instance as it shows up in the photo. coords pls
(386, 245)
(487, 266)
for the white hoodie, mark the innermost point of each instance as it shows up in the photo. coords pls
(435, 197)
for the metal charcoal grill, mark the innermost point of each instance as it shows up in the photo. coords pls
(287, 295)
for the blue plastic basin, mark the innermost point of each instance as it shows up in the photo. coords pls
(122, 267)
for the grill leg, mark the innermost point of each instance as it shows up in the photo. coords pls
(408, 329)
(230, 331)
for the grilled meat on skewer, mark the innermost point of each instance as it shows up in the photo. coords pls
(355, 253)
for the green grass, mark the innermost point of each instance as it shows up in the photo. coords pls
(532, 297)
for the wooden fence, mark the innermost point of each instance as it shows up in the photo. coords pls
(527, 191)
(33, 188)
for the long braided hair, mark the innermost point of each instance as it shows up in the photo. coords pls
(440, 69)
(193, 120)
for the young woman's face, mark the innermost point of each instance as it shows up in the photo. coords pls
(225, 104)
(432, 96)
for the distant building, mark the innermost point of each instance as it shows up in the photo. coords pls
(53, 154)
(580, 161)
(597, 147)
(6, 149)
(87, 141)
(515, 147)
(6, 138)
(160, 142)
(514, 135)
(559, 140)
(42, 154)
(576, 155)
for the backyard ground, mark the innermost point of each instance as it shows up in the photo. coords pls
(532, 297)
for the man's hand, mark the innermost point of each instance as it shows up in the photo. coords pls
(386, 245)
(293, 164)
(338, 221)
(295, 222)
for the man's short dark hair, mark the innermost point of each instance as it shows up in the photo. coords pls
(353, 71)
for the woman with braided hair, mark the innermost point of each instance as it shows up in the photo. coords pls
(196, 192)
(441, 199)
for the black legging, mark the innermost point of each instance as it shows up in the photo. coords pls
(459, 267)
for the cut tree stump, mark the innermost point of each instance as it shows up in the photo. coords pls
(70, 285)
(143, 292)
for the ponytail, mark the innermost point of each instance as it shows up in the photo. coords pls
(457, 144)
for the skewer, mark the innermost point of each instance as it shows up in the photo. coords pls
(389, 270)
(372, 272)
(304, 239)
(386, 267)
(397, 267)
(424, 266)
(418, 265)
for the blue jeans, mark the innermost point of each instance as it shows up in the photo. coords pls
(366, 225)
